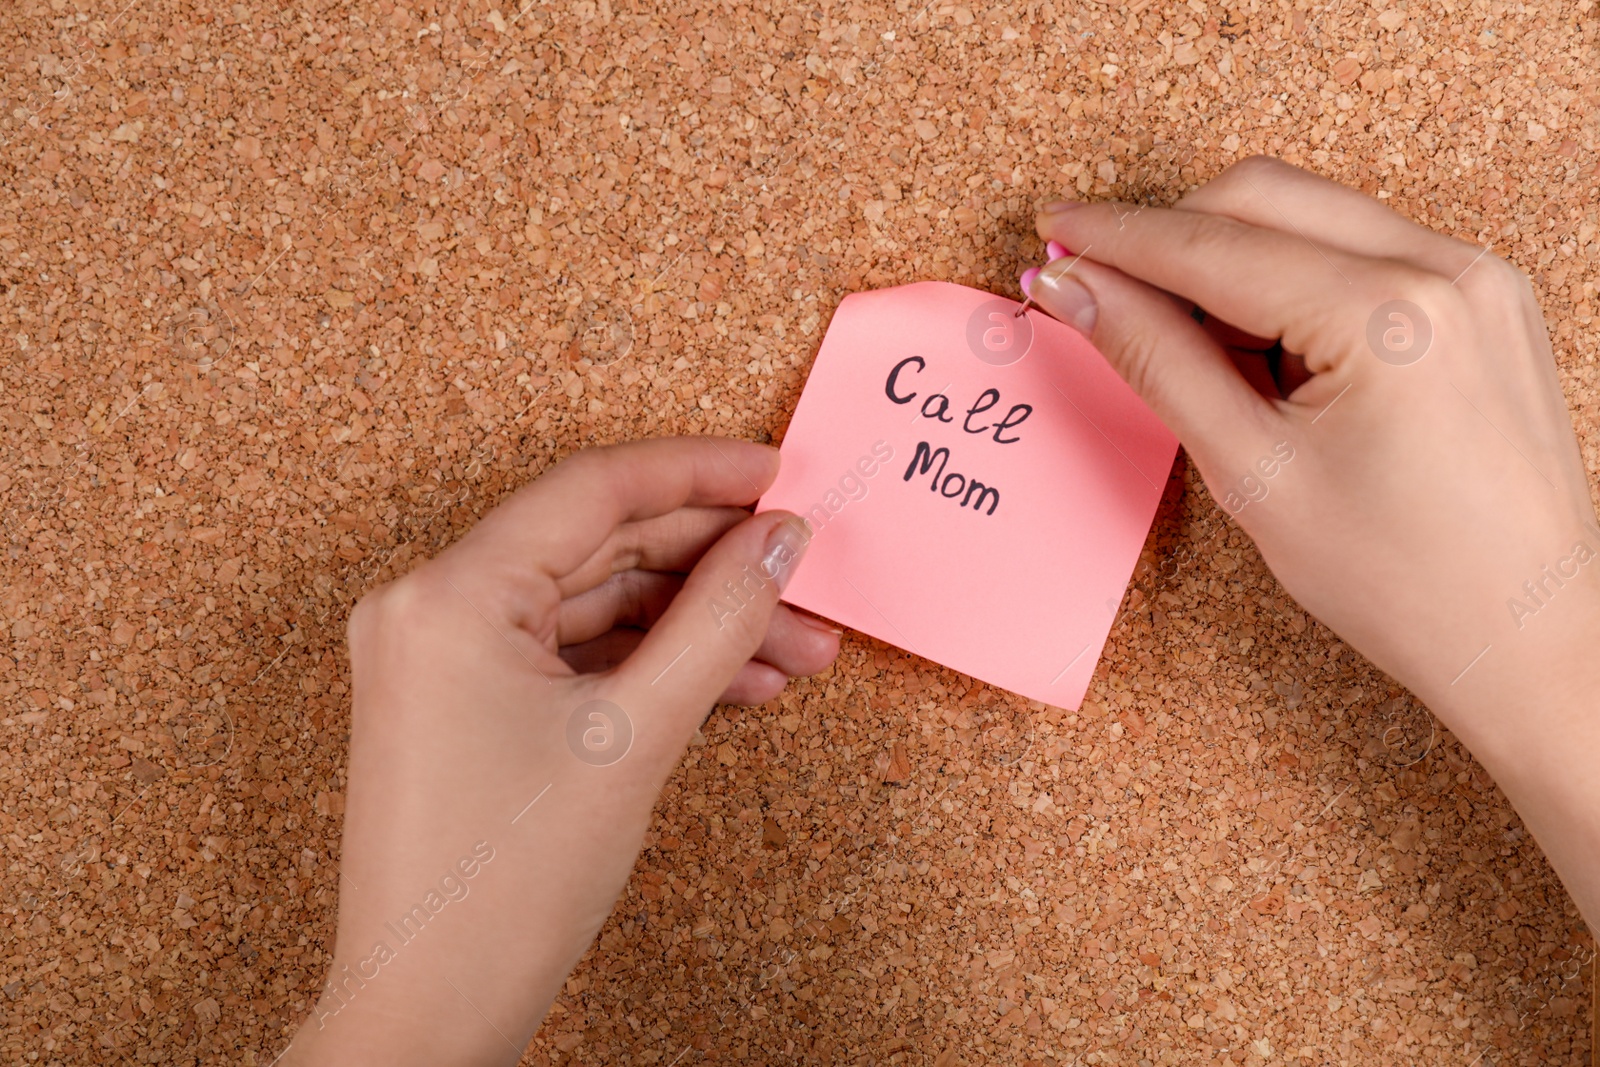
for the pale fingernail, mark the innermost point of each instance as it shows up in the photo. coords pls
(785, 545)
(1064, 297)
(819, 624)
(1056, 207)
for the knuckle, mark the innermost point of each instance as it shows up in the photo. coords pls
(1435, 295)
(1241, 183)
(629, 543)
(1495, 279)
(399, 607)
(1215, 239)
(1258, 168)
(1401, 312)
(366, 618)
(632, 603)
(589, 463)
(744, 607)
(745, 630)
(750, 628)
(1137, 360)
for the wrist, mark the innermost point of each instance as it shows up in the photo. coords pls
(427, 1026)
(1531, 717)
(1530, 689)
(359, 1039)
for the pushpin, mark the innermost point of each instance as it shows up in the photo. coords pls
(1054, 250)
(1027, 284)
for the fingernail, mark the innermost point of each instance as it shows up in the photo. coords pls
(1056, 207)
(1055, 250)
(785, 545)
(819, 624)
(1063, 296)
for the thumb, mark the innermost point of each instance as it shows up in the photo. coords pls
(1162, 353)
(714, 625)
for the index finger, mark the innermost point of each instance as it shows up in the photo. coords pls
(1267, 192)
(1267, 282)
(559, 520)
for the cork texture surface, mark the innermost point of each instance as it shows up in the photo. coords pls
(291, 293)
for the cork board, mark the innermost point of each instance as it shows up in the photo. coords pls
(291, 293)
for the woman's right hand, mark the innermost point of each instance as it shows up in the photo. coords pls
(1410, 474)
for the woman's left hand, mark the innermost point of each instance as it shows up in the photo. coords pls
(519, 702)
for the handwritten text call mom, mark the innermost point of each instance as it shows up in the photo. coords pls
(937, 406)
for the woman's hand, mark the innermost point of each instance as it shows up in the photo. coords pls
(1409, 472)
(519, 703)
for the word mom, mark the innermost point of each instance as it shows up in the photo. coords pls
(951, 485)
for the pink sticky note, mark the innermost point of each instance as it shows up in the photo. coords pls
(980, 485)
